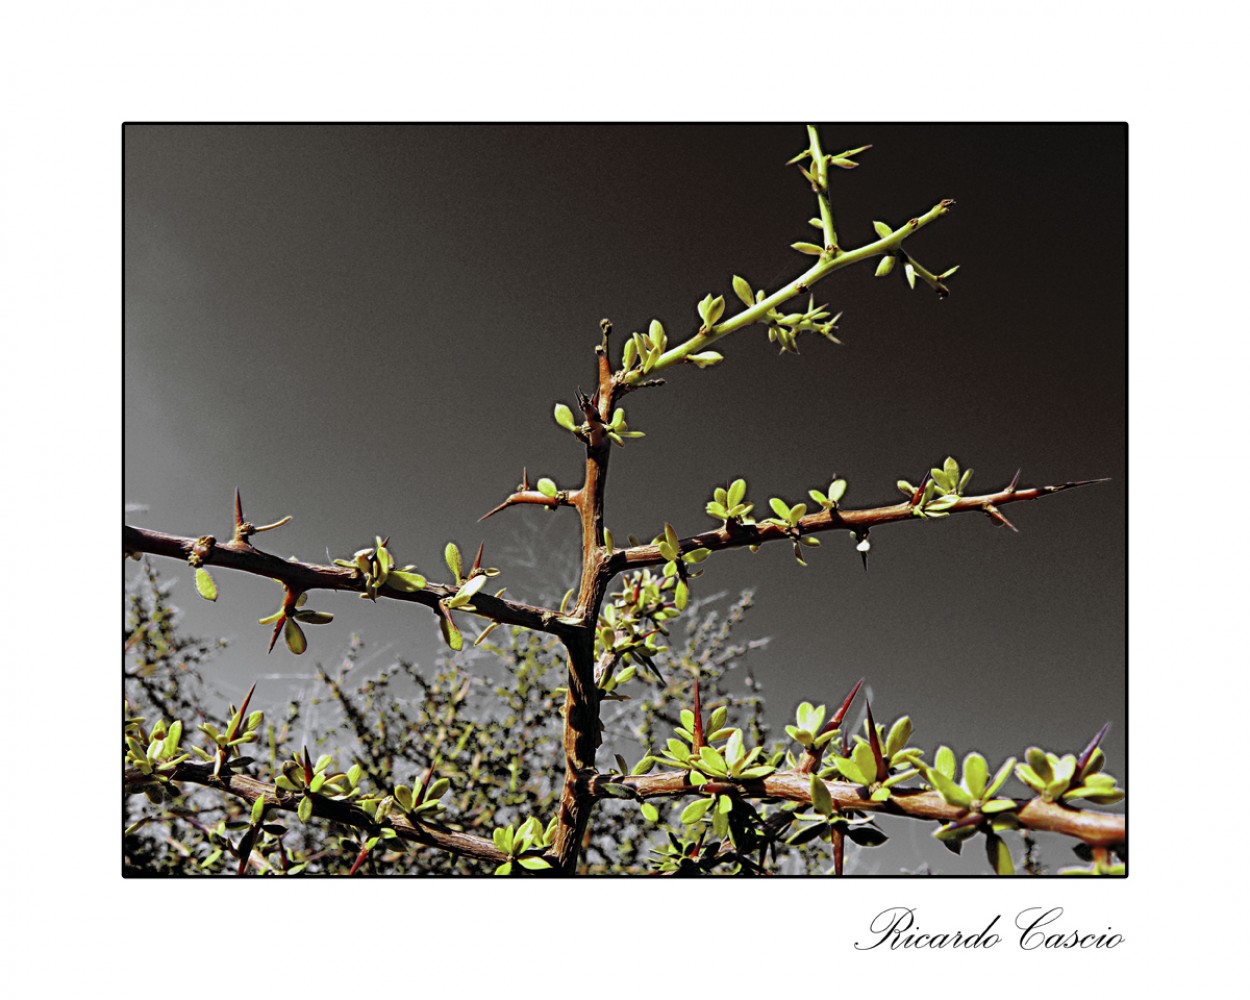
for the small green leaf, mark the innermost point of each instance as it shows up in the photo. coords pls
(451, 554)
(737, 491)
(650, 813)
(807, 248)
(822, 801)
(696, 811)
(743, 291)
(886, 266)
(204, 584)
(882, 229)
(305, 809)
(547, 488)
(564, 416)
(706, 359)
(294, 637)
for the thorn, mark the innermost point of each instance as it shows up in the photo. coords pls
(477, 563)
(698, 718)
(864, 556)
(308, 771)
(840, 714)
(915, 497)
(525, 478)
(1073, 485)
(277, 630)
(238, 509)
(360, 859)
(997, 516)
(496, 510)
(1083, 761)
(1014, 480)
(874, 741)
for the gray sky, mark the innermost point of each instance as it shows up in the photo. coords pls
(367, 327)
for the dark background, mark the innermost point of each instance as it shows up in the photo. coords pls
(367, 327)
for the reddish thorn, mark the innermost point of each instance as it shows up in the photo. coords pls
(915, 497)
(425, 784)
(698, 718)
(360, 859)
(496, 510)
(874, 741)
(308, 771)
(277, 630)
(238, 509)
(238, 717)
(840, 714)
(1014, 480)
(1083, 761)
(525, 478)
(477, 563)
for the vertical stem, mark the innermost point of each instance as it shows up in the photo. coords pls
(581, 704)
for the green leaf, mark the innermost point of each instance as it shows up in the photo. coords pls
(547, 488)
(452, 556)
(808, 248)
(886, 266)
(882, 229)
(946, 787)
(405, 582)
(305, 809)
(650, 813)
(780, 508)
(451, 634)
(743, 291)
(737, 491)
(822, 801)
(998, 854)
(564, 416)
(706, 359)
(204, 584)
(294, 637)
(710, 310)
(851, 771)
(258, 811)
(696, 811)
(533, 863)
(976, 772)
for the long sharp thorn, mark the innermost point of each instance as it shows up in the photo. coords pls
(525, 478)
(477, 563)
(698, 718)
(234, 730)
(1014, 481)
(840, 714)
(496, 510)
(874, 742)
(1083, 761)
(360, 859)
(864, 556)
(915, 497)
(277, 630)
(238, 509)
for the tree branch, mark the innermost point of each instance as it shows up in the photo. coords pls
(737, 535)
(1096, 829)
(302, 577)
(338, 811)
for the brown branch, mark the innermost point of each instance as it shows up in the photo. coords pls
(1094, 828)
(302, 577)
(734, 536)
(337, 811)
